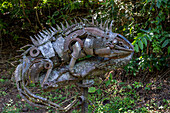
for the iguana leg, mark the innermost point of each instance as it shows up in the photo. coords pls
(75, 55)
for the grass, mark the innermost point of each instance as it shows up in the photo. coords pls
(105, 96)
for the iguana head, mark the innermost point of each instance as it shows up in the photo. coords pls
(115, 46)
(106, 43)
(120, 47)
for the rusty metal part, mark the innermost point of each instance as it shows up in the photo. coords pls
(34, 51)
(88, 46)
(33, 72)
(47, 65)
(95, 31)
(75, 55)
(28, 45)
(87, 84)
(72, 41)
(82, 99)
(124, 49)
(103, 51)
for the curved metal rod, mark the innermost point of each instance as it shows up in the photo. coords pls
(33, 99)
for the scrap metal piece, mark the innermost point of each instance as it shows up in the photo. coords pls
(47, 50)
(59, 46)
(88, 46)
(34, 52)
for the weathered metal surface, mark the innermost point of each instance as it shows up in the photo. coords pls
(56, 59)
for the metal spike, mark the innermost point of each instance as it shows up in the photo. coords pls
(58, 27)
(110, 28)
(53, 28)
(80, 19)
(33, 41)
(92, 20)
(104, 26)
(62, 26)
(107, 25)
(75, 20)
(50, 30)
(101, 24)
(45, 32)
(67, 24)
(86, 21)
(96, 23)
(71, 22)
(42, 34)
(39, 37)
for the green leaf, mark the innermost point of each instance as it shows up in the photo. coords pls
(162, 39)
(158, 4)
(144, 41)
(53, 21)
(136, 48)
(121, 83)
(148, 37)
(165, 43)
(108, 83)
(2, 80)
(146, 31)
(140, 44)
(92, 90)
(148, 1)
(99, 91)
(48, 21)
(168, 49)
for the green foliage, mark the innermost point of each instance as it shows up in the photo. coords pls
(152, 38)
(124, 101)
(2, 93)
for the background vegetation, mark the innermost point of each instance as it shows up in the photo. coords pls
(143, 22)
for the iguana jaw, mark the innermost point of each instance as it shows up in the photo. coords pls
(119, 47)
(123, 48)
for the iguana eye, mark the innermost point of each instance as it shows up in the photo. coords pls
(114, 41)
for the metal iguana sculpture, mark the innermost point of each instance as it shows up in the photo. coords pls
(58, 57)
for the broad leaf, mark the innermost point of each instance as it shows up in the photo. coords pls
(92, 90)
(162, 39)
(158, 4)
(165, 43)
(140, 44)
(144, 41)
(136, 48)
(168, 49)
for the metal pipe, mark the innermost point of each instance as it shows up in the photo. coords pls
(84, 108)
